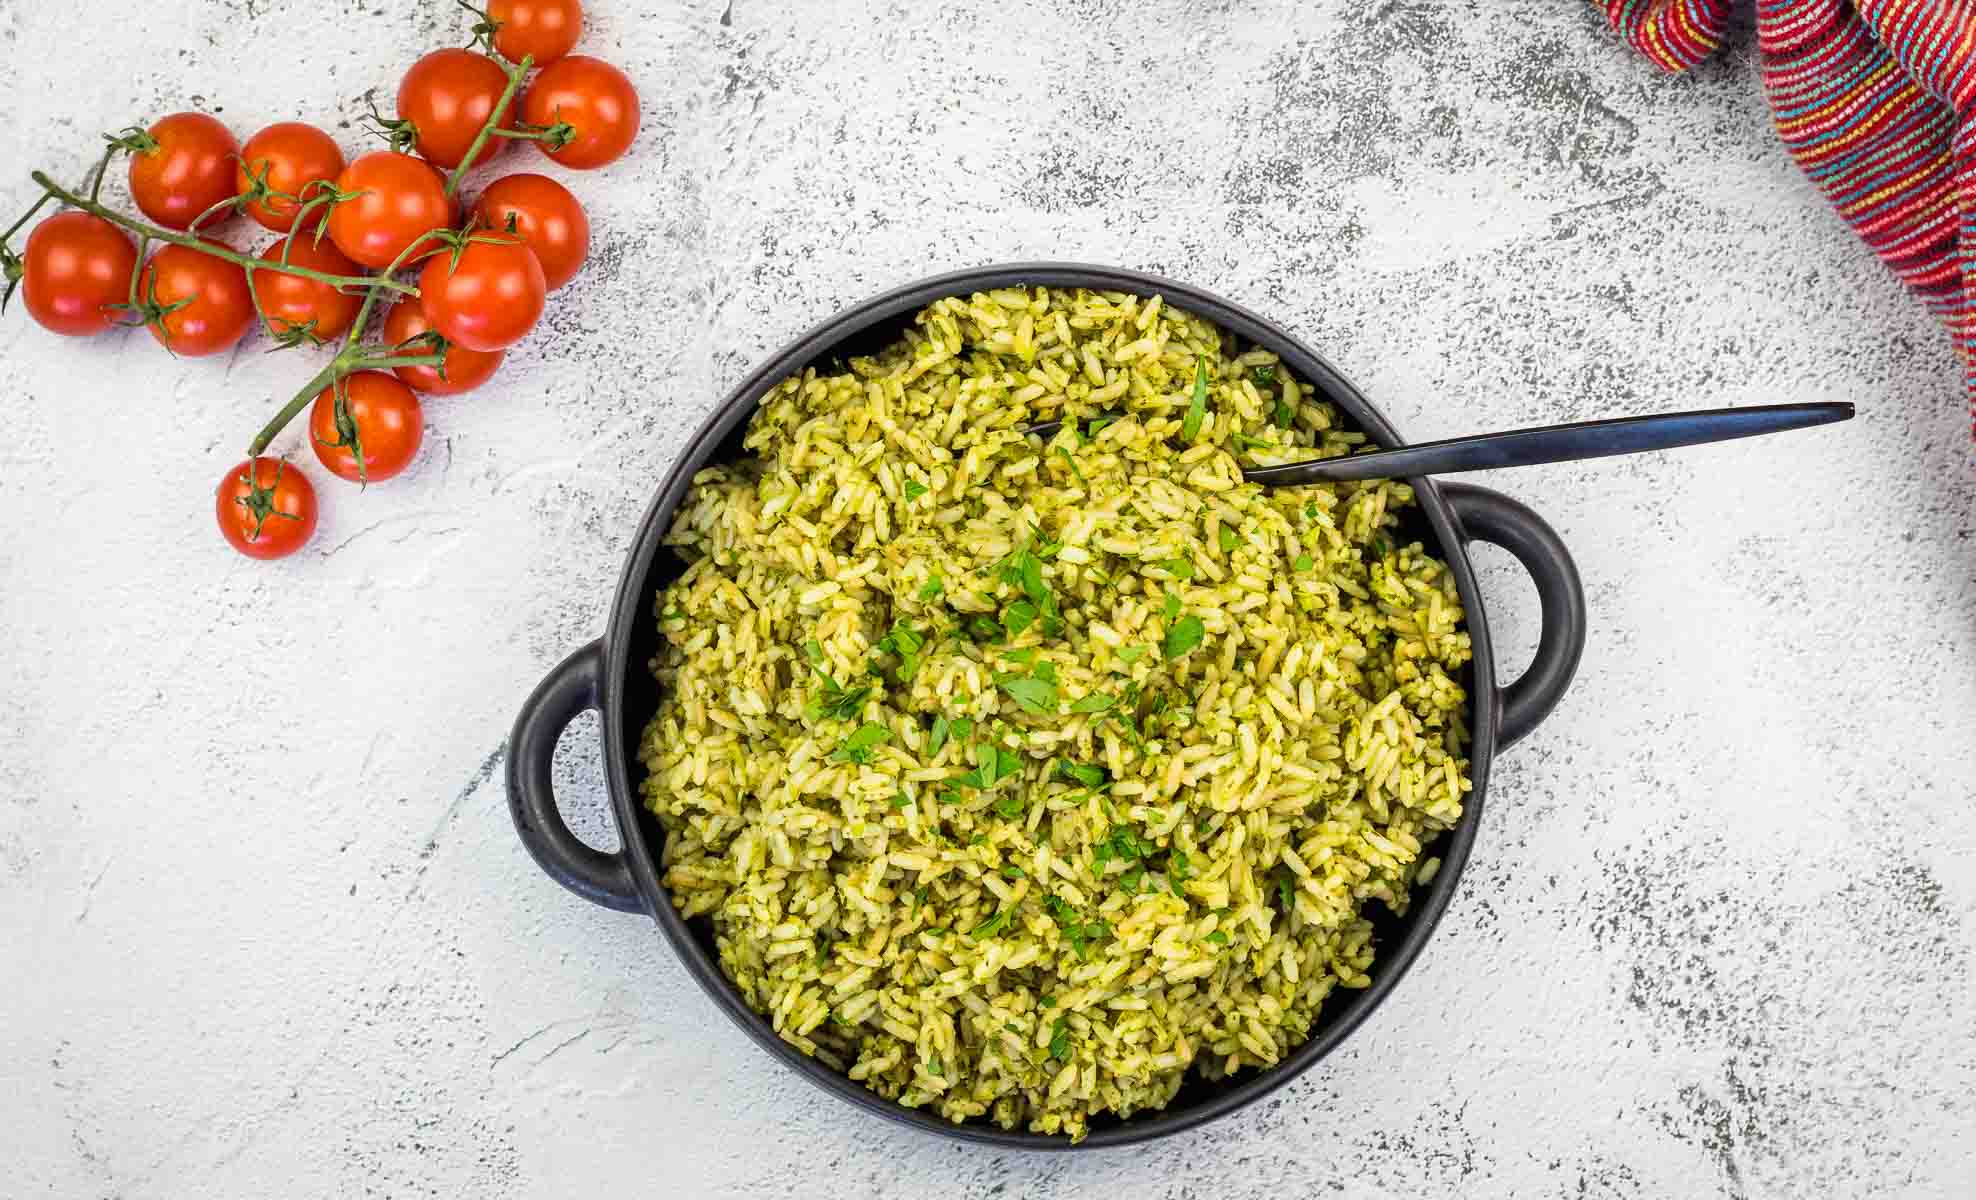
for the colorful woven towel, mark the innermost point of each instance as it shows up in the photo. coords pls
(1876, 99)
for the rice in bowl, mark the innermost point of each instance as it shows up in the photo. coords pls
(1020, 778)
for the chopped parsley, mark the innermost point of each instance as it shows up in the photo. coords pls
(1179, 568)
(1033, 695)
(1060, 1039)
(1131, 654)
(1011, 871)
(1009, 807)
(1018, 617)
(1171, 609)
(1078, 932)
(1263, 373)
(1186, 634)
(1095, 702)
(858, 747)
(1227, 538)
(1219, 937)
(993, 925)
(1285, 415)
(914, 490)
(902, 801)
(1072, 463)
(931, 588)
(939, 738)
(1080, 773)
(1304, 562)
(1176, 871)
(1197, 409)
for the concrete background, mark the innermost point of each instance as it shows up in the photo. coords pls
(264, 927)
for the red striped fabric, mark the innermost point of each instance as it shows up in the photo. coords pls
(1876, 99)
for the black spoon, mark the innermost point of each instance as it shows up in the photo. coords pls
(1544, 443)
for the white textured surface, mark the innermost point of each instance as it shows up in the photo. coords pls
(264, 927)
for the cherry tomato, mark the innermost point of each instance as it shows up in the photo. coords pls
(210, 306)
(190, 171)
(266, 508)
(545, 29)
(381, 419)
(546, 217)
(465, 369)
(293, 302)
(489, 297)
(401, 198)
(447, 96)
(595, 99)
(292, 158)
(75, 268)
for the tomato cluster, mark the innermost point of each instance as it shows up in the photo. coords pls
(466, 281)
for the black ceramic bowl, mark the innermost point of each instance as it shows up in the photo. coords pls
(610, 675)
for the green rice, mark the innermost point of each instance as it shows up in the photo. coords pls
(1020, 779)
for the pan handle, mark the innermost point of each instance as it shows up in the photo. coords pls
(1486, 516)
(574, 686)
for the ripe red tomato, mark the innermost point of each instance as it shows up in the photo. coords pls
(74, 269)
(447, 96)
(293, 158)
(488, 296)
(546, 29)
(381, 419)
(266, 508)
(401, 198)
(208, 298)
(292, 302)
(592, 97)
(465, 369)
(545, 216)
(190, 171)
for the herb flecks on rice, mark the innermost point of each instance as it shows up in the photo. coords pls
(1019, 778)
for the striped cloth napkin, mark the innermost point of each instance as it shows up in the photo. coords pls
(1876, 99)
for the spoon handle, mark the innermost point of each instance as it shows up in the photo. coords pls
(1556, 443)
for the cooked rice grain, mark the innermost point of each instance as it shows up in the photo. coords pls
(1041, 875)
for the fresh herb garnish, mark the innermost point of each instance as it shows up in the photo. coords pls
(1095, 702)
(902, 801)
(1072, 463)
(1184, 636)
(1197, 409)
(1286, 892)
(914, 490)
(1244, 442)
(931, 588)
(1304, 562)
(1227, 538)
(1131, 880)
(939, 738)
(1022, 658)
(1096, 425)
(1179, 568)
(1033, 695)
(1060, 1037)
(858, 747)
(1076, 931)
(993, 925)
(1131, 654)
(1310, 511)
(1176, 871)
(1011, 871)
(1263, 373)
(1285, 415)
(992, 764)
(1171, 609)
(1082, 773)
(1018, 617)
(1218, 937)
(1009, 807)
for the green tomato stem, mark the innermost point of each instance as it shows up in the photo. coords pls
(515, 74)
(217, 251)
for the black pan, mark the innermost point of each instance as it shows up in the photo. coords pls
(610, 676)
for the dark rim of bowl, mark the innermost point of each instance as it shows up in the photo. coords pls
(631, 610)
